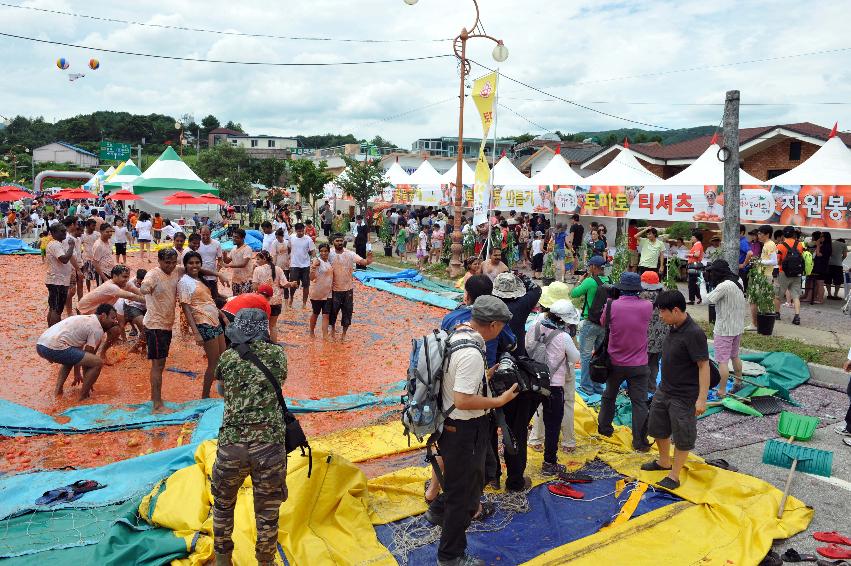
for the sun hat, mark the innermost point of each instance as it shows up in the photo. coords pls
(596, 261)
(266, 290)
(650, 281)
(565, 310)
(629, 282)
(508, 286)
(249, 325)
(553, 292)
(489, 309)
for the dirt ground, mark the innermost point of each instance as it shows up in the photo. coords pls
(373, 356)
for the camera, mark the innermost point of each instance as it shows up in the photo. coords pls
(505, 375)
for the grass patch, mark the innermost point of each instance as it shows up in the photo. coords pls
(824, 355)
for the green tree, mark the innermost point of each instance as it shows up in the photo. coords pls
(234, 126)
(378, 141)
(310, 178)
(208, 124)
(227, 167)
(522, 138)
(271, 172)
(362, 180)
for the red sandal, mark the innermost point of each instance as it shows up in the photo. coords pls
(832, 537)
(834, 552)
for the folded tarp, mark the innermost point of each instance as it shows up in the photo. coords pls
(419, 295)
(364, 275)
(17, 420)
(15, 246)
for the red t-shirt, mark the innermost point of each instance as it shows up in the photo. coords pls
(632, 241)
(248, 301)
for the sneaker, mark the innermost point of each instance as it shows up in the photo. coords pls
(796, 319)
(465, 560)
(564, 490)
(527, 485)
(434, 518)
(842, 429)
(777, 316)
(750, 328)
(552, 469)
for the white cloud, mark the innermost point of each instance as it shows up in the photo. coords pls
(568, 49)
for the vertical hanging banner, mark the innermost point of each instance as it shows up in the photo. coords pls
(484, 95)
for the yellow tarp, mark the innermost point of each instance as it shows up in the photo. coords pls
(727, 518)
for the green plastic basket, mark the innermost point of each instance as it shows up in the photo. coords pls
(801, 427)
(810, 460)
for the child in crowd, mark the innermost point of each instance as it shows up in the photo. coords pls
(437, 235)
(309, 229)
(422, 248)
(537, 255)
(120, 239)
(401, 240)
(44, 238)
(569, 260)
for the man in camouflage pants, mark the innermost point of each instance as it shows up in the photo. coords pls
(251, 440)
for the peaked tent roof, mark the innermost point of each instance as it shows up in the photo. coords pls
(468, 176)
(707, 170)
(425, 174)
(623, 170)
(96, 180)
(505, 173)
(396, 175)
(109, 171)
(170, 173)
(128, 173)
(558, 172)
(115, 171)
(830, 165)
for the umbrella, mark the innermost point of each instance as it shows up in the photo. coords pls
(11, 194)
(74, 194)
(209, 198)
(181, 198)
(124, 194)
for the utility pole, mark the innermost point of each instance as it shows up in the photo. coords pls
(729, 154)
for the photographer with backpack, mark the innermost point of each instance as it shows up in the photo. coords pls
(463, 443)
(790, 257)
(590, 330)
(550, 342)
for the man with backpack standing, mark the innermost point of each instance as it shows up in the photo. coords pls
(628, 319)
(790, 257)
(463, 443)
(590, 329)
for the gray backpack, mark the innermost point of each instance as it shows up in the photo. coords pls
(536, 348)
(422, 405)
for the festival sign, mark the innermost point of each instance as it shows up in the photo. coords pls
(484, 93)
(815, 206)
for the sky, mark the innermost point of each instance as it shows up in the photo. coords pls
(615, 57)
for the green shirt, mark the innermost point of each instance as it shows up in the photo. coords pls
(650, 252)
(402, 237)
(587, 289)
(252, 412)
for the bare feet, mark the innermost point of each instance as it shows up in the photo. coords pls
(161, 409)
(58, 392)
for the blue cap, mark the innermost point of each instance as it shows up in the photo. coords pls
(629, 282)
(596, 261)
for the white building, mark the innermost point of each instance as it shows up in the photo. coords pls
(61, 152)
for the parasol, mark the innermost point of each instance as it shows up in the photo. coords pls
(124, 194)
(11, 194)
(209, 198)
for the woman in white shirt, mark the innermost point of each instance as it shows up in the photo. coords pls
(143, 229)
(321, 279)
(554, 332)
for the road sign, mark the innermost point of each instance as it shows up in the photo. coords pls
(114, 151)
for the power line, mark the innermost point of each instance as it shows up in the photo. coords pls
(521, 116)
(218, 32)
(572, 102)
(661, 103)
(198, 60)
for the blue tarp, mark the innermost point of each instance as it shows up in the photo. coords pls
(15, 246)
(405, 275)
(123, 480)
(551, 522)
(17, 420)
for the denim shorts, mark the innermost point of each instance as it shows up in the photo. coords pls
(209, 332)
(66, 357)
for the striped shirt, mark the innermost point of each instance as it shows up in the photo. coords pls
(731, 308)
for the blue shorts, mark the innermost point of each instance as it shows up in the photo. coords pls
(66, 357)
(559, 254)
(568, 266)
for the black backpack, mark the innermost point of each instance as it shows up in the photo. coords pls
(603, 294)
(793, 262)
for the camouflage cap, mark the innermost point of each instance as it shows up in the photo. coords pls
(249, 325)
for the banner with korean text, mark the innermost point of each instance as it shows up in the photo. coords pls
(484, 93)
(817, 206)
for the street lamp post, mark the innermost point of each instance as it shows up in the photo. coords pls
(500, 54)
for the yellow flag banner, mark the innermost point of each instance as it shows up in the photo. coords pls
(484, 95)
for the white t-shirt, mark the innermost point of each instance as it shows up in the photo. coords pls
(143, 228)
(423, 241)
(300, 249)
(268, 239)
(210, 253)
(170, 230)
(412, 224)
(74, 332)
(537, 246)
(465, 374)
(120, 236)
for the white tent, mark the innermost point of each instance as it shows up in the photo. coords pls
(558, 172)
(468, 176)
(506, 174)
(396, 175)
(425, 174)
(830, 165)
(623, 170)
(707, 170)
